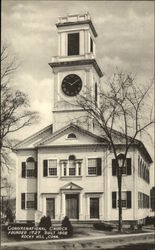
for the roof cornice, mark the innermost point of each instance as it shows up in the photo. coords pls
(78, 62)
(89, 22)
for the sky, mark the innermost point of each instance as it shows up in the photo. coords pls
(125, 40)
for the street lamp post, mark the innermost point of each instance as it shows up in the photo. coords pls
(120, 160)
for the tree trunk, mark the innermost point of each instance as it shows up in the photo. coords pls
(120, 200)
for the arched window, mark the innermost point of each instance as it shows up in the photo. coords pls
(30, 167)
(30, 159)
(96, 94)
(71, 136)
(72, 165)
(71, 158)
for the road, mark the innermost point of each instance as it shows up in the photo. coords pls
(114, 243)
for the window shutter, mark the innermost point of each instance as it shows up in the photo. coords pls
(23, 169)
(113, 199)
(99, 166)
(128, 199)
(128, 166)
(35, 201)
(45, 168)
(22, 200)
(114, 167)
(36, 169)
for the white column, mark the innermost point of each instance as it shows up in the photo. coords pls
(101, 207)
(57, 212)
(87, 208)
(81, 206)
(63, 205)
(59, 44)
(44, 205)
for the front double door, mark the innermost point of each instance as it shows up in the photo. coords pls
(72, 206)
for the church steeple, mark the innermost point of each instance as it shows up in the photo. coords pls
(76, 37)
(75, 68)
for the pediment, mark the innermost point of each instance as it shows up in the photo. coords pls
(61, 137)
(71, 186)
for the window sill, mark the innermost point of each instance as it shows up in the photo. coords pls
(123, 208)
(92, 219)
(29, 209)
(93, 175)
(71, 176)
(29, 177)
(51, 176)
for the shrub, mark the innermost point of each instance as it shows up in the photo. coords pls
(139, 226)
(150, 220)
(9, 215)
(45, 222)
(66, 223)
(103, 226)
(133, 227)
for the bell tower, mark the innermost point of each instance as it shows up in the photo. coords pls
(75, 68)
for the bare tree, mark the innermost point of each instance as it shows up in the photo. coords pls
(122, 108)
(15, 107)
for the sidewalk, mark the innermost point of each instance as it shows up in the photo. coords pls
(92, 238)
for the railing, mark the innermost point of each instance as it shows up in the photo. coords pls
(74, 18)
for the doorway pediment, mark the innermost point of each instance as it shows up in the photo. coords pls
(71, 186)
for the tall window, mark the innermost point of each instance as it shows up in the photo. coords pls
(143, 170)
(125, 199)
(96, 93)
(125, 170)
(91, 44)
(52, 167)
(94, 208)
(72, 165)
(29, 200)
(94, 166)
(29, 168)
(143, 200)
(73, 44)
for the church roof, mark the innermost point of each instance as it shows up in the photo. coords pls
(46, 135)
(43, 133)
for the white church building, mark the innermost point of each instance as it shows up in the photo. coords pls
(67, 167)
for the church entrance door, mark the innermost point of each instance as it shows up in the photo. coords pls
(72, 206)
